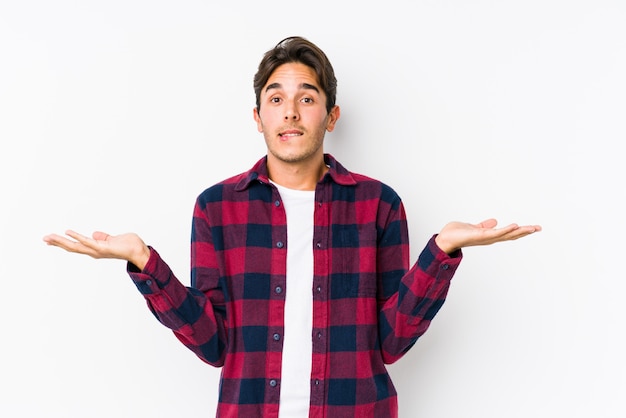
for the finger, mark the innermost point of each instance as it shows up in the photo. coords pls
(529, 229)
(491, 236)
(100, 236)
(519, 233)
(488, 223)
(67, 244)
(87, 241)
(53, 239)
(509, 228)
(499, 233)
(84, 244)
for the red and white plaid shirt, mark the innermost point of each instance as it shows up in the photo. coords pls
(369, 306)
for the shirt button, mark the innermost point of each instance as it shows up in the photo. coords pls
(280, 244)
(319, 288)
(445, 267)
(277, 203)
(318, 245)
(273, 383)
(149, 282)
(319, 335)
(317, 382)
(276, 337)
(278, 290)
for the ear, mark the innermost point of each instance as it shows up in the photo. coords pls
(257, 119)
(333, 117)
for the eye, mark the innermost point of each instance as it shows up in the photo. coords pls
(307, 100)
(275, 100)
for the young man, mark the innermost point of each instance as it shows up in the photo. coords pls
(301, 287)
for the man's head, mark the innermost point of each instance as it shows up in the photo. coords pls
(296, 49)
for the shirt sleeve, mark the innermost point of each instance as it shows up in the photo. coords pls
(411, 298)
(196, 316)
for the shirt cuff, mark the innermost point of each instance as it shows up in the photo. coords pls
(154, 277)
(437, 263)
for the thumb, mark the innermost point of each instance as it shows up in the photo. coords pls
(488, 223)
(100, 236)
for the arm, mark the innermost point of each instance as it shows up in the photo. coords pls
(407, 313)
(196, 316)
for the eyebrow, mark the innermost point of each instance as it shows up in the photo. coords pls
(305, 86)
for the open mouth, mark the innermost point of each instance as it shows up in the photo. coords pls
(290, 133)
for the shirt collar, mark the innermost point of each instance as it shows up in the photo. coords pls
(336, 172)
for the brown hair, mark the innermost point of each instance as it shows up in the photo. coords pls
(297, 49)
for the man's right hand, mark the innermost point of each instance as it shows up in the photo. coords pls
(129, 247)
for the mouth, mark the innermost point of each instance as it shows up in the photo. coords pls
(290, 133)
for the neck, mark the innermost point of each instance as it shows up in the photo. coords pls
(297, 176)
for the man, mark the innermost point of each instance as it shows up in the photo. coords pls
(301, 287)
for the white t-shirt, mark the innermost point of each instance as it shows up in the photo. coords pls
(295, 387)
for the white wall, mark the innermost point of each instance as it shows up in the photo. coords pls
(114, 116)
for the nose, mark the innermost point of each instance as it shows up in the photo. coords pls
(291, 112)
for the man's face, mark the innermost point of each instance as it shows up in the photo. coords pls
(292, 115)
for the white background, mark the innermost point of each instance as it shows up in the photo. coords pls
(115, 115)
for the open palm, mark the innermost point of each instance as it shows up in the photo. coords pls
(456, 235)
(128, 246)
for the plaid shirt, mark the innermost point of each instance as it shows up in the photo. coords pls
(369, 308)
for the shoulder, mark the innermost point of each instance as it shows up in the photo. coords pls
(367, 187)
(221, 190)
(363, 186)
(228, 188)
